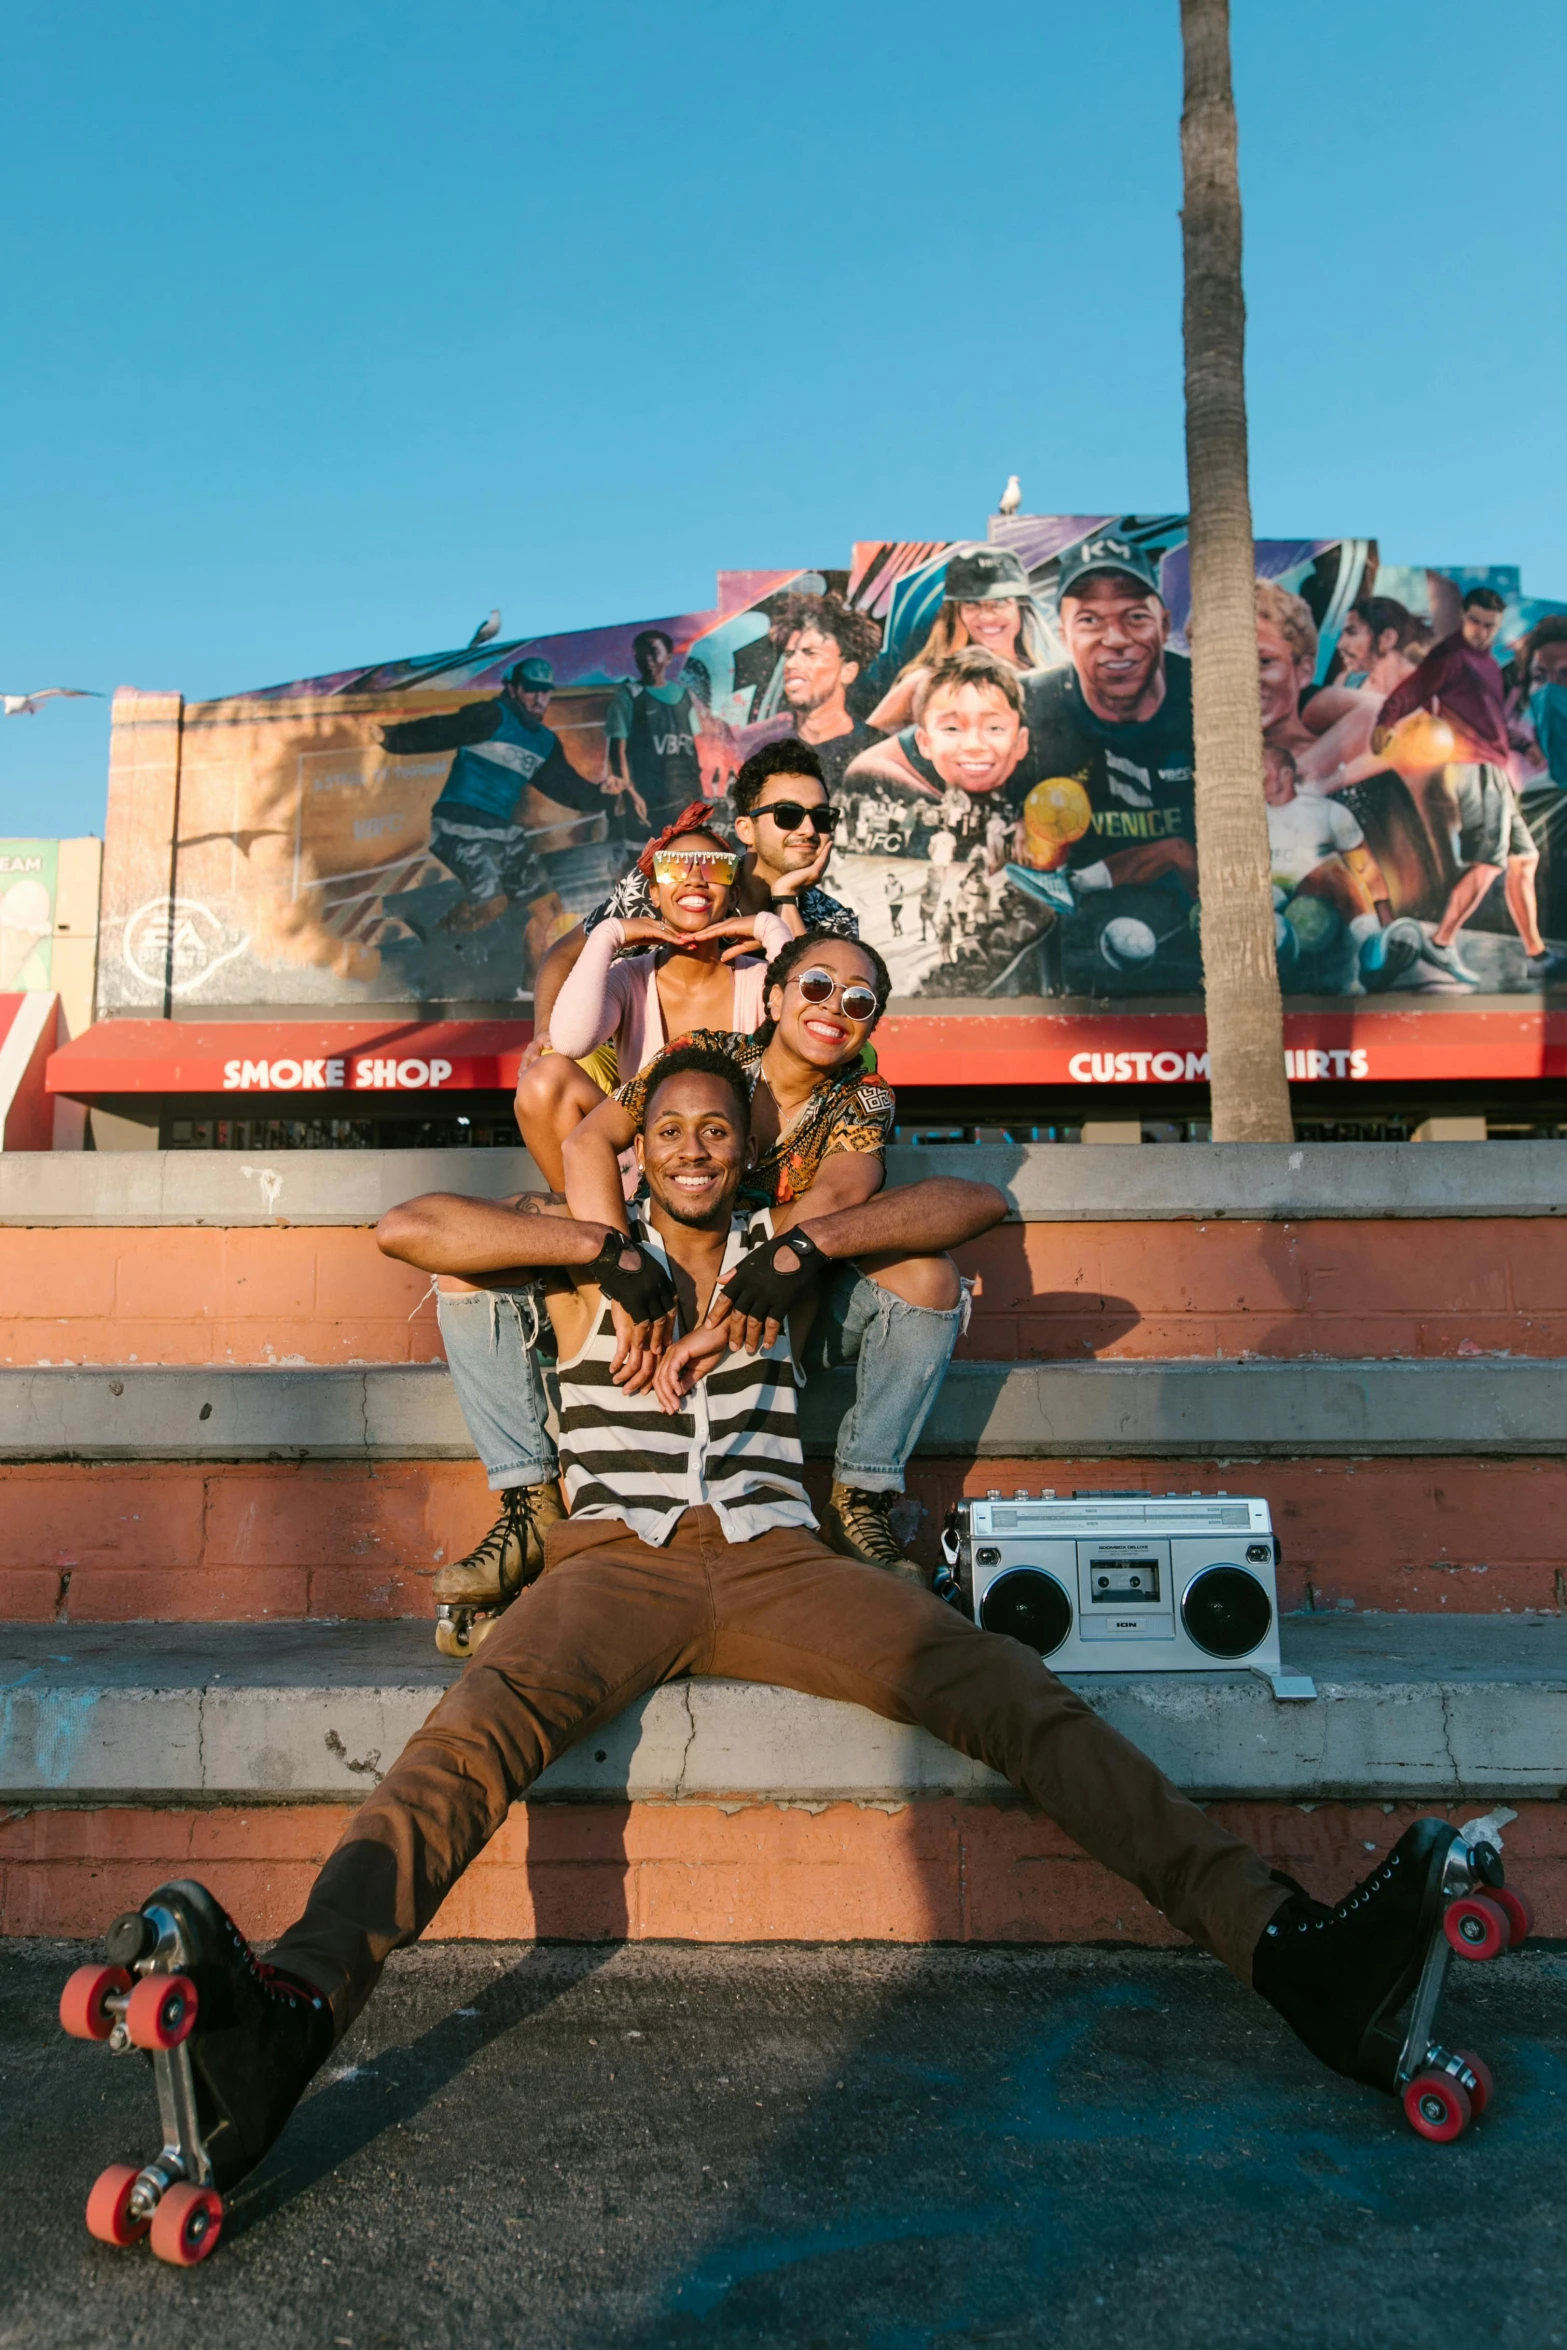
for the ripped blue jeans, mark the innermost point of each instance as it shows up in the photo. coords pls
(900, 1354)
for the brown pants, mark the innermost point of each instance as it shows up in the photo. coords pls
(611, 1617)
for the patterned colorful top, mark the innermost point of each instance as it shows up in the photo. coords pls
(852, 1109)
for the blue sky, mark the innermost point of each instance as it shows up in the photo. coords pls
(330, 327)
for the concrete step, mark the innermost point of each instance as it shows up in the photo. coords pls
(1019, 1411)
(1296, 1183)
(1408, 1708)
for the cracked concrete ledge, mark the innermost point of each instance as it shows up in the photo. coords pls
(1189, 1409)
(1409, 1707)
(1047, 1183)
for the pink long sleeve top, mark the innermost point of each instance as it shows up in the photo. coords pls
(603, 998)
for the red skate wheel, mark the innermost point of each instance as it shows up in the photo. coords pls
(188, 2222)
(82, 2010)
(1477, 1926)
(1434, 2103)
(1485, 2088)
(1520, 1912)
(161, 2012)
(109, 2206)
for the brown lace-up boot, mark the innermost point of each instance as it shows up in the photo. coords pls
(858, 1525)
(471, 1593)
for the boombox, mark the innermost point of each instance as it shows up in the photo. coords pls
(1107, 1582)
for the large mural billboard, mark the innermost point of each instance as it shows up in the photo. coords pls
(1006, 728)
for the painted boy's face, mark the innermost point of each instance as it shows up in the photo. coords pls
(1480, 627)
(972, 737)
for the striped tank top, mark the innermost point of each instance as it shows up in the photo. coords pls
(735, 1446)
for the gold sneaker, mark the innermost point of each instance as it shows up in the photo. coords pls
(472, 1592)
(858, 1525)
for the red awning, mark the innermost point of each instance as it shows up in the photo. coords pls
(290, 1057)
(1125, 1047)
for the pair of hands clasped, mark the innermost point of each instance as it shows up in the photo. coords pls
(747, 1311)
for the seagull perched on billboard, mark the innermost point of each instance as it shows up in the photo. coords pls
(23, 705)
(1011, 496)
(487, 630)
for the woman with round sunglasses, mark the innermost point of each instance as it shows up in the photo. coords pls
(692, 963)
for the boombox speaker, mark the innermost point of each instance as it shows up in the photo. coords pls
(1108, 1582)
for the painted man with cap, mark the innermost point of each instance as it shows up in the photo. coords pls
(502, 745)
(1118, 720)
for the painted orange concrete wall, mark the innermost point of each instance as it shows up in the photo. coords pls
(328, 1296)
(939, 1871)
(185, 1542)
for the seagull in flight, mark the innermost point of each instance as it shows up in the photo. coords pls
(23, 705)
(487, 630)
(1011, 496)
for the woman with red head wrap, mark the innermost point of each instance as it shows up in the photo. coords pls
(695, 966)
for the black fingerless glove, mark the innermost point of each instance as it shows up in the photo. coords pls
(646, 1292)
(759, 1288)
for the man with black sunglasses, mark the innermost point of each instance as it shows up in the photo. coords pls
(787, 825)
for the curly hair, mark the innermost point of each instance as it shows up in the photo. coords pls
(1291, 616)
(698, 1060)
(788, 757)
(1552, 630)
(799, 950)
(856, 634)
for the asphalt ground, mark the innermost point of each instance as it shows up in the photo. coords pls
(885, 2148)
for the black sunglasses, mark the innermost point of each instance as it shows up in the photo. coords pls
(788, 814)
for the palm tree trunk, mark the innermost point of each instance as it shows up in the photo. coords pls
(1249, 1090)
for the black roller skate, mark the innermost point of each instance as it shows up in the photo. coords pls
(471, 1593)
(1342, 1977)
(233, 2045)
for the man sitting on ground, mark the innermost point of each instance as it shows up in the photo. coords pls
(689, 1552)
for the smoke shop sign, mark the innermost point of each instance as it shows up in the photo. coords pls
(344, 1073)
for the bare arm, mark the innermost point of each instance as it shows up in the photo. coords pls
(845, 1179)
(920, 1219)
(591, 1153)
(444, 1232)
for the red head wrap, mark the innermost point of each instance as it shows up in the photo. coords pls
(694, 817)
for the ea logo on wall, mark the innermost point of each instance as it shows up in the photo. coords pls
(177, 943)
